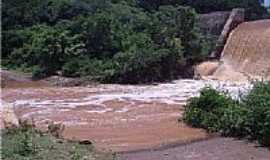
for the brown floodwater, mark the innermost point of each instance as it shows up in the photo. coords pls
(130, 117)
(117, 125)
(114, 117)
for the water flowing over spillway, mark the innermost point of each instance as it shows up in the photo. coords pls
(248, 49)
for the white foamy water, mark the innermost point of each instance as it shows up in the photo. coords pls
(48, 104)
(176, 92)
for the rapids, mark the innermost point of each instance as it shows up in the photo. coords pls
(117, 117)
(176, 92)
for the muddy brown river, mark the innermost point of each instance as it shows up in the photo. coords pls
(117, 117)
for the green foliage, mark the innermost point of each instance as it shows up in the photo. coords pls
(95, 33)
(146, 66)
(23, 141)
(253, 8)
(47, 48)
(27, 143)
(19, 14)
(70, 69)
(210, 110)
(216, 112)
(114, 41)
(38, 72)
(12, 39)
(258, 103)
(233, 121)
(174, 25)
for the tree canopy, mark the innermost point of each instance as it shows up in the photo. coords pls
(127, 41)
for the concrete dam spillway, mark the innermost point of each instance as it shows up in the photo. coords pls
(245, 56)
(248, 48)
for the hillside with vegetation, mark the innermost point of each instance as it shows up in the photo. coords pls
(110, 40)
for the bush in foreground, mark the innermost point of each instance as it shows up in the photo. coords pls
(258, 104)
(27, 143)
(217, 112)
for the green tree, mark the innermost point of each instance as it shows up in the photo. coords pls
(112, 41)
(177, 25)
(47, 47)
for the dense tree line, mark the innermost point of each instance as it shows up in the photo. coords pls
(112, 41)
(254, 10)
(127, 41)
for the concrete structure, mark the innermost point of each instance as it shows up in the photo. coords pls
(236, 17)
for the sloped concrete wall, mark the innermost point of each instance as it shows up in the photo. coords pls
(236, 17)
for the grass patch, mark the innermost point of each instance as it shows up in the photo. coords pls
(27, 143)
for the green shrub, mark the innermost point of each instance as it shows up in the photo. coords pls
(38, 72)
(217, 112)
(210, 99)
(22, 141)
(258, 103)
(12, 39)
(194, 116)
(207, 110)
(46, 47)
(71, 68)
(27, 143)
(233, 121)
